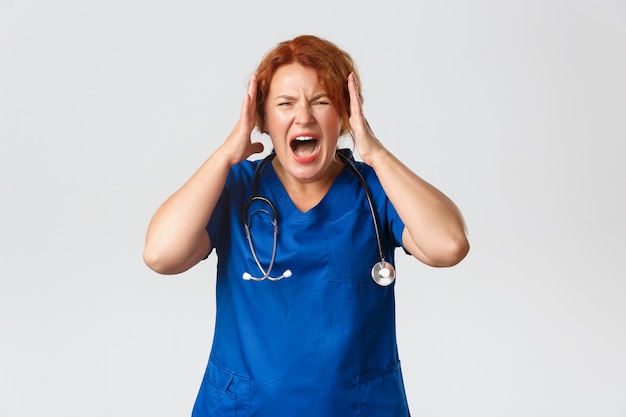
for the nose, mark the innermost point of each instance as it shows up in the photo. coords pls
(304, 115)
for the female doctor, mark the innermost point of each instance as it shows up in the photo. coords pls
(302, 328)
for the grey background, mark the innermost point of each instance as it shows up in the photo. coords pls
(516, 110)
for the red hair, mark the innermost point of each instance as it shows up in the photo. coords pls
(332, 64)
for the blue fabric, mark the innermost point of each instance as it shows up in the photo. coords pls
(322, 342)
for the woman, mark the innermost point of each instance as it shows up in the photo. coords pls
(301, 328)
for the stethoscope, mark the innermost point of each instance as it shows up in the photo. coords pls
(383, 273)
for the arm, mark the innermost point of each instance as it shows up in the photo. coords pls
(176, 238)
(434, 231)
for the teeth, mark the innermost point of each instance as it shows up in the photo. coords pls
(304, 138)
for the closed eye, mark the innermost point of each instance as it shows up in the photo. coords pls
(320, 99)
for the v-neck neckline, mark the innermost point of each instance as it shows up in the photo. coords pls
(328, 200)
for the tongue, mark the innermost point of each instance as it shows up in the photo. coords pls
(304, 148)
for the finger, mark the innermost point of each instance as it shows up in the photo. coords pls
(355, 101)
(252, 85)
(248, 110)
(358, 124)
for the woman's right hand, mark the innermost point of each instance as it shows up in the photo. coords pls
(239, 146)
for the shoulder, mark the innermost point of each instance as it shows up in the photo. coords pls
(364, 170)
(367, 172)
(242, 172)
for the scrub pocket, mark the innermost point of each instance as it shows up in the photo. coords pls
(382, 394)
(222, 393)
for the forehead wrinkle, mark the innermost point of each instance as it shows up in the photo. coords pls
(295, 82)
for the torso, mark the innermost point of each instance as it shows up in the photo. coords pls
(321, 342)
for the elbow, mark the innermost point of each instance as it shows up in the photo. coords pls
(153, 260)
(457, 250)
(157, 260)
(172, 257)
(450, 253)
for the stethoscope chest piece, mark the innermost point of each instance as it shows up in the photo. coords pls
(383, 273)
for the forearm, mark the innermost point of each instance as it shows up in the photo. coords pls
(435, 231)
(176, 238)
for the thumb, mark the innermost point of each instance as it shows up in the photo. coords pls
(256, 147)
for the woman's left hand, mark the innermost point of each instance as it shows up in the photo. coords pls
(366, 143)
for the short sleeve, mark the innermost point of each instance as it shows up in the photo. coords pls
(217, 226)
(236, 190)
(396, 225)
(389, 218)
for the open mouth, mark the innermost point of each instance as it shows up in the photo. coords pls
(304, 146)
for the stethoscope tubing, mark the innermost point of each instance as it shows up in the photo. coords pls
(370, 200)
(266, 274)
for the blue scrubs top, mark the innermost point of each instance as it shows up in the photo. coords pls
(321, 342)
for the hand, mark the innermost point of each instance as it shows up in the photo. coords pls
(239, 146)
(364, 139)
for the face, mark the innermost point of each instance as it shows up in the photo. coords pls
(302, 122)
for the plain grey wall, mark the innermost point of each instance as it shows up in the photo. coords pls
(515, 109)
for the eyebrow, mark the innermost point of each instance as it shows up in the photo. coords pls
(289, 97)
